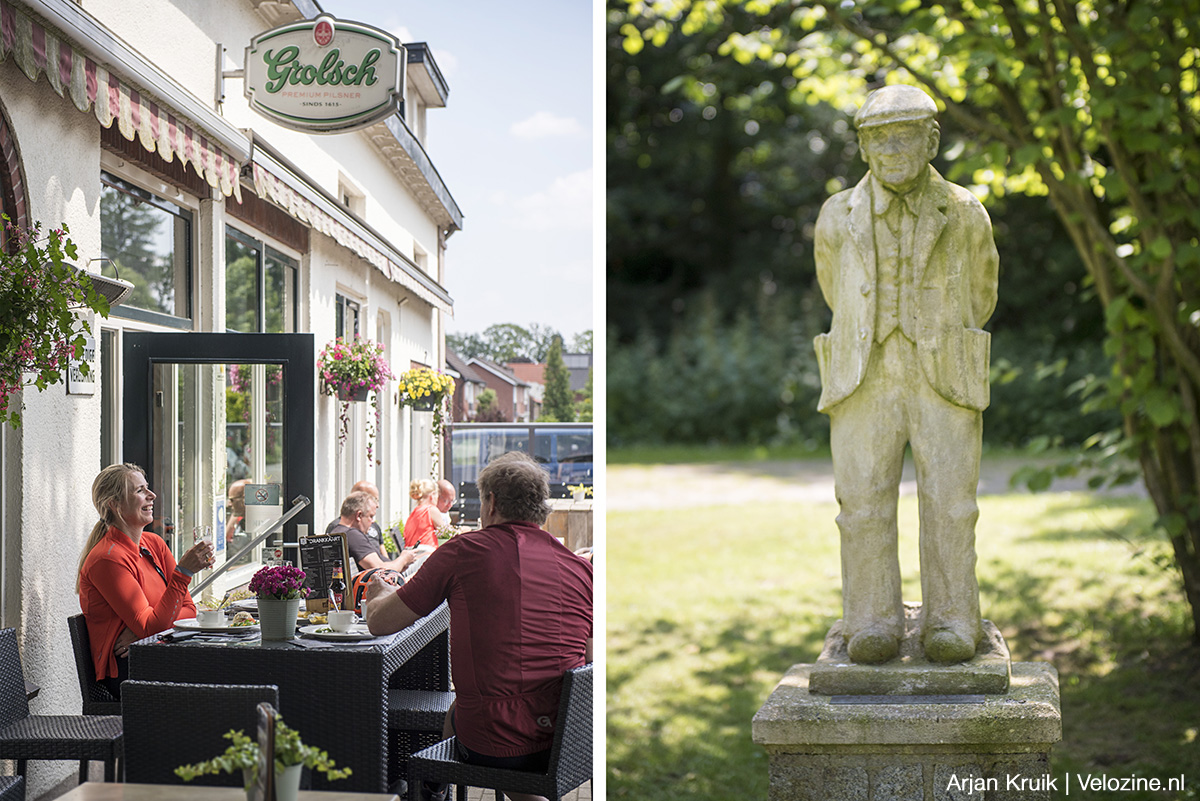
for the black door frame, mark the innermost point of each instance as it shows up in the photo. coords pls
(296, 353)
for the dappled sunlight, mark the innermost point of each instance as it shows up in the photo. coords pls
(708, 607)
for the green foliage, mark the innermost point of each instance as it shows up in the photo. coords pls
(583, 407)
(753, 380)
(39, 292)
(558, 402)
(1094, 107)
(487, 407)
(243, 755)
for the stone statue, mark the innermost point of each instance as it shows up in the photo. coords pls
(907, 263)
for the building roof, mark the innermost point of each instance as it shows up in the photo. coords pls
(501, 372)
(455, 362)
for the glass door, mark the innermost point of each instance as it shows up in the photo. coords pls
(208, 415)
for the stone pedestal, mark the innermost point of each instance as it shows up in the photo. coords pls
(912, 747)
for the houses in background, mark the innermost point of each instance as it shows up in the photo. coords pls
(519, 386)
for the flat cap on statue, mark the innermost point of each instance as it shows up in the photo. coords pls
(896, 103)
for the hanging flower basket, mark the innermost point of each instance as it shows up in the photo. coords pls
(354, 396)
(39, 332)
(424, 389)
(351, 371)
(428, 390)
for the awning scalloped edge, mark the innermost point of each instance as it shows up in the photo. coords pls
(267, 185)
(90, 86)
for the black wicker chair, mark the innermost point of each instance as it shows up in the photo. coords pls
(417, 714)
(170, 724)
(415, 720)
(97, 700)
(24, 736)
(12, 788)
(570, 754)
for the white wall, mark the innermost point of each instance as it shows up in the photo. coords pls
(56, 452)
(187, 54)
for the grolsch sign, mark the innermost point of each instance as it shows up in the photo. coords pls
(325, 75)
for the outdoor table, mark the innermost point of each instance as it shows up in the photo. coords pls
(95, 791)
(334, 694)
(571, 521)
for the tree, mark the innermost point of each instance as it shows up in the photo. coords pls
(508, 342)
(541, 339)
(559, 404)
(468, 346)
(487, 407)
(582, 342)
(1093, 106)
(583, 406)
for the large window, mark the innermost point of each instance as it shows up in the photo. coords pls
(260, 287)
(147, 240)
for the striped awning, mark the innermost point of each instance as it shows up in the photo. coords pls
(91, 86)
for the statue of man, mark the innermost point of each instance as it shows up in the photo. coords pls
(907, 263)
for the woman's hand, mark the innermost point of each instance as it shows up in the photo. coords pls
(198, 558)
(124, 640)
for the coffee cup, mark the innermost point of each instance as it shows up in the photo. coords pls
(340, 620)
(210, 617)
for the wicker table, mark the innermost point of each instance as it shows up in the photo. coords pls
(336, 697)
(92, 791)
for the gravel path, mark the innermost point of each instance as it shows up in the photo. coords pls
(677, 486)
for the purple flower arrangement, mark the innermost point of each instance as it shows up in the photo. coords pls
(283, 582)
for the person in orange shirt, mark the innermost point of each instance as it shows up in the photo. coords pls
(129, 584)
(422, 524)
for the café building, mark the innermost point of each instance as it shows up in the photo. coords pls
(247, 227)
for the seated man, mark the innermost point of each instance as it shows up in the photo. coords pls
(357, 516)
(446, 496)
(374, 532)
(520, 616)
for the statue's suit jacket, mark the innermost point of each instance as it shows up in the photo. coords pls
(952, 293)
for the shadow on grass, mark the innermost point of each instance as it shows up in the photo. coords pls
(1130, 686)
(650, 760)
(1129, 673)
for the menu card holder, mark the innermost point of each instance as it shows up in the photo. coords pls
(264, 785)
(319, 555)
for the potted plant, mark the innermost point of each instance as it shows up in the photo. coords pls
(428, 390)
(290, 756)
(351, 371)
(579, 491)
(279, 590)
(39, 291)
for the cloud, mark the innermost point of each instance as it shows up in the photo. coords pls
(545, 123)
(565, 204)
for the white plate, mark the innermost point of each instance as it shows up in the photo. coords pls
(191, 624)
(358, 631)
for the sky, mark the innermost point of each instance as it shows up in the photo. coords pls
(514, 147)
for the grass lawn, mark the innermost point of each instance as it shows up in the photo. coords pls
(707, 607)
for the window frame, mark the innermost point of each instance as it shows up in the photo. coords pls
(182, 202)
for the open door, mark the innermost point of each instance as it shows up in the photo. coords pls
(208, 414)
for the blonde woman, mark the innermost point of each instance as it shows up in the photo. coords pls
(424, 521)
(129, 584)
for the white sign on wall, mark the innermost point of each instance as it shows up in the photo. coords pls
(77, 382)
(325, 75)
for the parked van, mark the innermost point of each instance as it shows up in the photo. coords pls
(563, 449)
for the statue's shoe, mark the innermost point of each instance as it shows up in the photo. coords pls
(945, 645)
(872, 646)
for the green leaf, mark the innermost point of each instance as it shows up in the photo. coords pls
(1161, 407)
(1160, 248)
